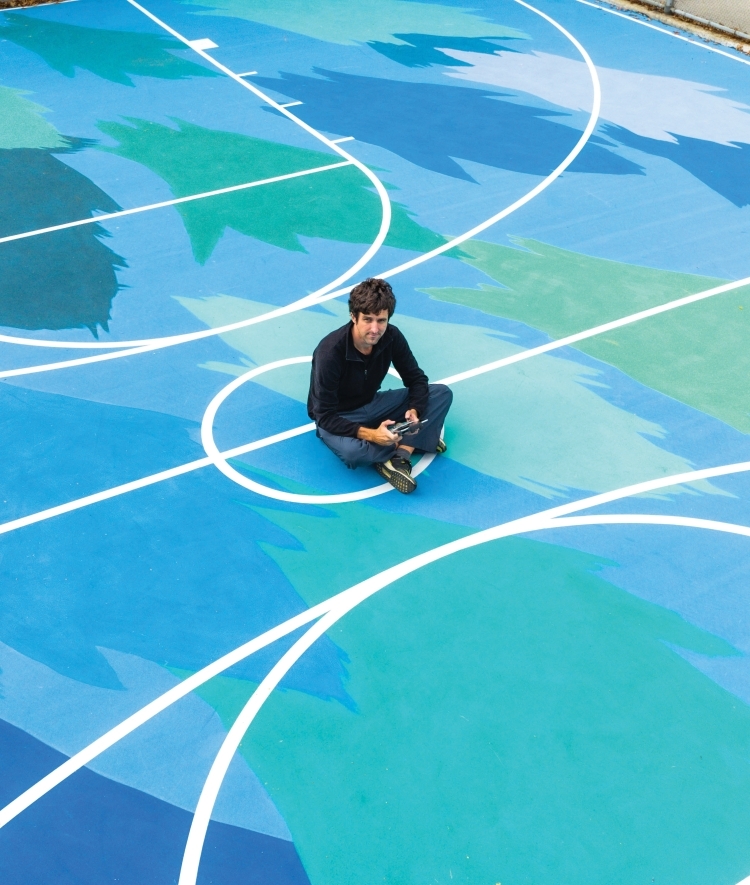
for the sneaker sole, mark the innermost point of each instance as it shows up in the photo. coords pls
(402, 482)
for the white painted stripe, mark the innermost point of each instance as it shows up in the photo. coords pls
(95, 219)
(130, 348)
(353, 597)
(202, 43)
(339, 140)
(385, 202)
(343, 602)
(639, 21)
(144, 482)
(248, 74)
(647, 519)
(597, 330)
(220, 461)
(290, 104)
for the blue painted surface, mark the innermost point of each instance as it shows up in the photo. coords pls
(138, 839)
(464, 123)
(68, 279)
(182, 572)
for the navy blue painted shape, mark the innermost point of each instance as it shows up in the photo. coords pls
(94, 831)
(429, 124)
(60, 280)
(423, 50)
(175, 573)
(725, 168)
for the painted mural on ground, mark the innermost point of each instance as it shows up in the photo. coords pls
(568, 706)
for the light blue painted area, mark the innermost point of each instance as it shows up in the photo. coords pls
(169, 757)
(546, 419)
(98, 603)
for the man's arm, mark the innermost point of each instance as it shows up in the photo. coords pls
(326, 374)
(412, 376)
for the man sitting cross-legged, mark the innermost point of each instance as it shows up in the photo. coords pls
(350, 411)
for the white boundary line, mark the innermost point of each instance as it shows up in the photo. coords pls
(131, 348)
(94, 219)
(220, 461)
(638, 21)
(347, 599)
(360, 592)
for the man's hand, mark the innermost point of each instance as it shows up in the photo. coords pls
(382, 436)
(412, 416)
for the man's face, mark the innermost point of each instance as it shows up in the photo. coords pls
(368, 328)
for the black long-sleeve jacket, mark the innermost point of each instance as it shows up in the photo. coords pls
(342, 379)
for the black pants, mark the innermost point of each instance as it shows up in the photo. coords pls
(390, 404)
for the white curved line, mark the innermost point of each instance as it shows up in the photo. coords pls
(353, 597)
(135, 210)
(219, 460)
(131, 348)
(690, 522)
(543, 519)
(452, 379)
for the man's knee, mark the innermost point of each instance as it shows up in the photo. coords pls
(441, 395)
(353, 452)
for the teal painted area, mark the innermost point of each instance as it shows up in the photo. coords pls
(338, 204)
(344, 22)
(519, 720)
(693, 354)
(112, 55)
(23, 123)
(550, 429)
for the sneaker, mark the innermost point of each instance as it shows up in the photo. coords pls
(397, 471)
(441, 447)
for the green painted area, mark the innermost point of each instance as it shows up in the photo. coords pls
(519, 720)
(112, 55)
(335, 205)
(695, 354)
(341, 21)
(23, 123)
(544, 426)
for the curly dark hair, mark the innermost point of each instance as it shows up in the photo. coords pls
(371, 296)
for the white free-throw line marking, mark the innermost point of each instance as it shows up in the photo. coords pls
(248, 74)
(290, 104)
(220, 461)
(638, 21)
(94, 219)
(351, 598)
(130, 348)
(539, 521)
(365, 170)
(345, 138)
(146, 345)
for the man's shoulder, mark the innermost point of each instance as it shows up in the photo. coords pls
(333, 340)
